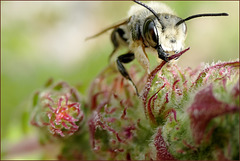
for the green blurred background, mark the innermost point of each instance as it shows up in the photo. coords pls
(42, 40)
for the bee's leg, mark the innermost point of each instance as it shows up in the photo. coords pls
(126, 58)
(142, 58)
(115, 43)
(117, 37)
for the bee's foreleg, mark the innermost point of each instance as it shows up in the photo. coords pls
(142, 58)
(126, 58)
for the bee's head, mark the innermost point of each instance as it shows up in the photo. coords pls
(165, 32)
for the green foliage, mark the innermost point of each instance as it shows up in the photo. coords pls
(182, 115)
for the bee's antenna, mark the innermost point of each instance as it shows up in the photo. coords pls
(201, 15)
(150, 9)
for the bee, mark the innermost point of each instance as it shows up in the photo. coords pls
(153, 26)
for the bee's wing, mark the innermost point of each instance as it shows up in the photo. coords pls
(123, 22)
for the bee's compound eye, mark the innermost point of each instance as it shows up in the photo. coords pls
(184, 28)
(150, 32)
